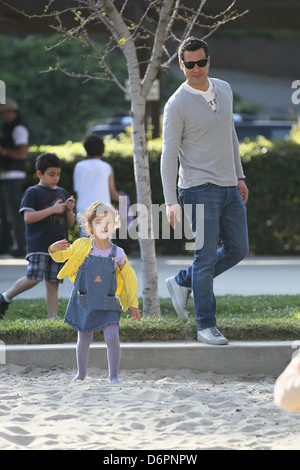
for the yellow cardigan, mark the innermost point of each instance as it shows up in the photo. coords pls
(76, 254)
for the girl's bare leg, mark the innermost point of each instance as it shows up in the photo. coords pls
(52, 298)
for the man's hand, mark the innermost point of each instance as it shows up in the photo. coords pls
(173, 212)
(243, 190)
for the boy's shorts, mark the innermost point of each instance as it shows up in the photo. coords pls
(43, 267)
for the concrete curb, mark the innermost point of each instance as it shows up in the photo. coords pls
(265, 357)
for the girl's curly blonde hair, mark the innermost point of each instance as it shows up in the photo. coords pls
(98, 209)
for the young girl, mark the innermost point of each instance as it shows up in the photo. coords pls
(100, 271)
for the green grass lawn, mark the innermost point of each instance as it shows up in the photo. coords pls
(266, 317)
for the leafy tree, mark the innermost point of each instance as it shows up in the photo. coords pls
(147, 33)
(56, 108)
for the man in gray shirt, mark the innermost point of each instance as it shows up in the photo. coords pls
(198, 130)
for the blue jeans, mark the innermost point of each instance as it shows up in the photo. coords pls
(225, 221)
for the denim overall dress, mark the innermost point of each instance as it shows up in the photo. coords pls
(93, 305)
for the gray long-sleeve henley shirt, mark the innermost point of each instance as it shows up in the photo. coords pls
(204, 140)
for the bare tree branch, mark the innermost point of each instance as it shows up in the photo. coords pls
(157, 50)
(125, 31)
(155, 28)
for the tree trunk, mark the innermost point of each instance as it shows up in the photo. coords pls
(151, 305)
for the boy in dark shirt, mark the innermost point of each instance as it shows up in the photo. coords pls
(48, 212)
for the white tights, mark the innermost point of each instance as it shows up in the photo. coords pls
(111, 338)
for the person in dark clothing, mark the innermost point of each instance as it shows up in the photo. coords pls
(14, 140)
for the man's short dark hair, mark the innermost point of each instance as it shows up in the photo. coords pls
(47, 160)
(192, 44)
(94, 145)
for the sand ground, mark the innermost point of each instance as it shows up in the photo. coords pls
(41, 409)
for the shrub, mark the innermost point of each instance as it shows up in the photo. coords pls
(272, 175)
(272, 171)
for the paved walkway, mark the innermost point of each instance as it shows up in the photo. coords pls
(252, 276)
(273, 94)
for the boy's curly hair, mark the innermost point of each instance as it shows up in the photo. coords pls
(47, 160)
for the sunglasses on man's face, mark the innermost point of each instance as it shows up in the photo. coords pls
(191, 64)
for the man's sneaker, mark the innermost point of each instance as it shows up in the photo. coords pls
(180, 296)
(211, 336)
(3, 306)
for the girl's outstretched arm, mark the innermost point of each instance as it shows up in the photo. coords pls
(61, 245)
